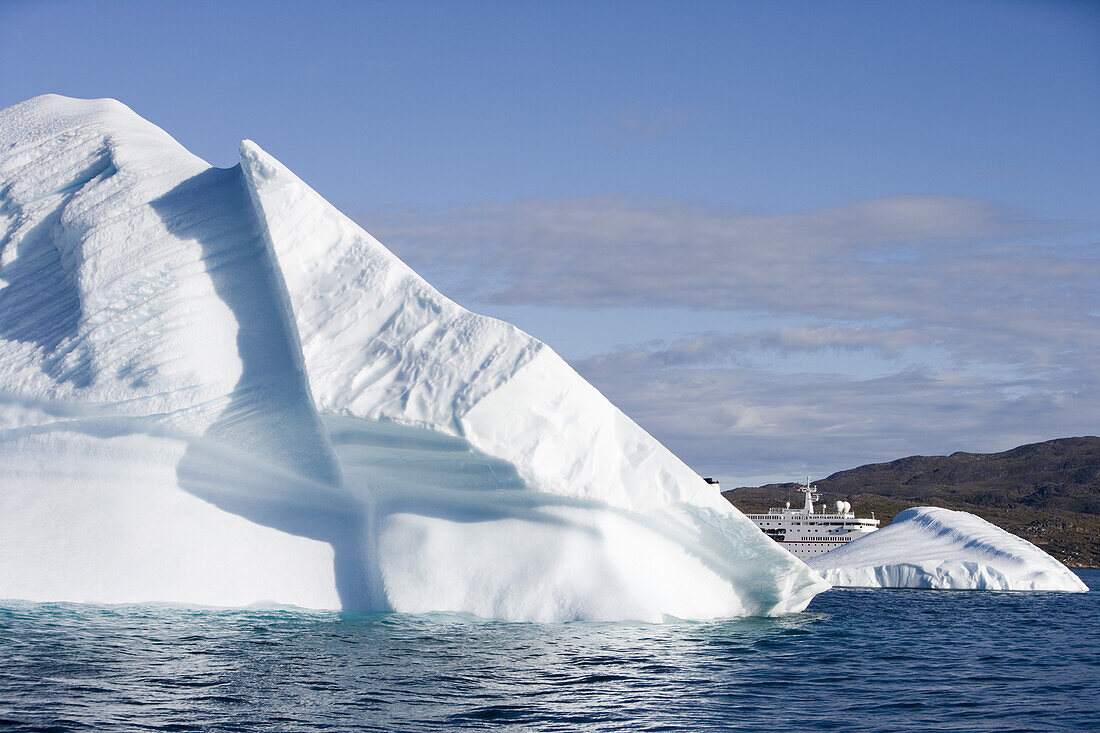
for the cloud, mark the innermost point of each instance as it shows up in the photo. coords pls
(645, 123)
(607, 251)
(726, 412)
(719, 349)
(743, 423)
(983, 325)
(960, 273)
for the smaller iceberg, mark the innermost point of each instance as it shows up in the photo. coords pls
(929, 547)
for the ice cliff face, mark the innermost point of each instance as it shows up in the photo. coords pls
(929, 547)
(215, 388)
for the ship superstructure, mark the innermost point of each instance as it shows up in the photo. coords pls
(810, 530)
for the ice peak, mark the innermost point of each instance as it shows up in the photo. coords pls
(106, 126)
(56, 110)
(260, 164)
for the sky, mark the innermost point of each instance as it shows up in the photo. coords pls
(787, 238)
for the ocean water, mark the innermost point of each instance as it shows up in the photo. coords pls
(857, 660)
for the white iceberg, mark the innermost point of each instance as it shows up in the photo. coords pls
(217, 389)
(929, 547)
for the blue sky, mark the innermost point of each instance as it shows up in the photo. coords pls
(786, 237)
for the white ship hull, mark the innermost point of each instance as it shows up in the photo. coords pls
(809, 535)
(806, 532)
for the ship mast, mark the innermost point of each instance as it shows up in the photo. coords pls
(810, 491)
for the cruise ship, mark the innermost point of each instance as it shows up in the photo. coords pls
(810, 530)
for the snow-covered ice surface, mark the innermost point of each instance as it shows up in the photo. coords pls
(929, 547)
(217, 389)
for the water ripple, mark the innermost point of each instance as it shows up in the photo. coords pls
(858, 660)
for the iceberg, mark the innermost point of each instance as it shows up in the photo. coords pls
(929, 547)
(217, 389)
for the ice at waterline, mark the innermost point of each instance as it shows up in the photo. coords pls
(217, 389)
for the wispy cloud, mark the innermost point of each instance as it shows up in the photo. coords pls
(964, 272)
(713, 400)
(742, 422)
(595, 252)
(638, 122)
(1008, 305)
(711, 349)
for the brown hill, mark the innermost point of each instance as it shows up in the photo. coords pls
(1048, 493)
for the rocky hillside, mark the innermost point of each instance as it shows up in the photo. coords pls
(1048, 493)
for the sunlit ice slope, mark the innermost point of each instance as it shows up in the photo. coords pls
(142, 352)
(215, 388)
(930, 547)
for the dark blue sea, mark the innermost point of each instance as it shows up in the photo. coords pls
(857, 660)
